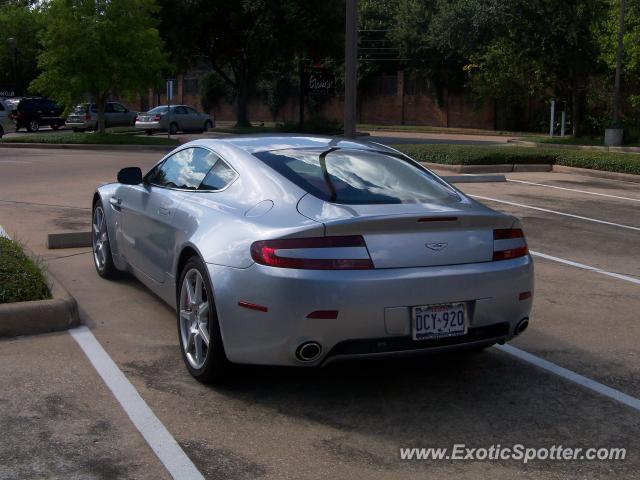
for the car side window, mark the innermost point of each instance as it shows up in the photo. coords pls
(219, 176)
(180, 111)
(109, 108)
(191, 111)
(118, 108)
(184, 169)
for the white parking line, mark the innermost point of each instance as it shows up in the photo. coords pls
(580, 217)
(154, 432)
(586, 267)
(597, 387)
(573, 190)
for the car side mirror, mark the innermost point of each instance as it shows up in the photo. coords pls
(130, 176)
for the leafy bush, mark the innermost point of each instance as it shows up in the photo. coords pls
(92, 139)
(21, 279)
(489, 155)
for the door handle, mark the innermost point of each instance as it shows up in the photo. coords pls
(164, 211)
(115, 203)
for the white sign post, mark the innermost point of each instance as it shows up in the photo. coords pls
(553, 117)
(169, 98)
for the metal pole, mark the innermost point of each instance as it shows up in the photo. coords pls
(553, 117)
(351, 68)
(301, 97)
(13, 45)
(169, 95)
(564, 120)
(616, 89)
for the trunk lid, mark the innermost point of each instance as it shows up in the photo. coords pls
(414, 235)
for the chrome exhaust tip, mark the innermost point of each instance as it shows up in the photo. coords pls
(521, 326)
(308, 351)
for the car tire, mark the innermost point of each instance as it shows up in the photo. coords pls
(55, 126)
(149, 132)
(33, 125)
(78, 130)
(101, 248)
(207, 125)
(194, 326)
(1, 131)
(173, 128)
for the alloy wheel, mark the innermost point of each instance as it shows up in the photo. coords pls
(194, 318)
(99, 238)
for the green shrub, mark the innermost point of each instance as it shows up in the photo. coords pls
(495, 155)
(21, 279)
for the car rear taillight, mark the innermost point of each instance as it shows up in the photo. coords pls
(318, 253)
(509, 243)
(157, 118)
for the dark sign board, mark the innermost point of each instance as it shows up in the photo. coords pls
(319, 81)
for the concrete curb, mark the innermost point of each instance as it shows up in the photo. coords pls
(41, 316)
(502, 168)
(506, 168)
(68, 240)
(473, 178)
(595, 148)
(70, 146)
(624, 177)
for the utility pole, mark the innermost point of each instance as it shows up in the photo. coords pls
(616, 88)
(613, 135)
(351, 68)
(13, 46)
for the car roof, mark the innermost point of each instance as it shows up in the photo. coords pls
(264, 143)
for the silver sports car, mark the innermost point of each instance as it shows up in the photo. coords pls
(303, 250)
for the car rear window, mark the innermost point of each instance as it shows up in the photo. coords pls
(357, 177)
(158, 110)
(84, 108)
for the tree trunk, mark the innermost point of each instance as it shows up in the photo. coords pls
(576, 100)
(101, 103)
(242, 98)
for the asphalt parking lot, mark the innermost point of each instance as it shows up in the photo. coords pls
(59, 419)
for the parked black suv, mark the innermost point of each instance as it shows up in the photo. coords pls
(32, 113)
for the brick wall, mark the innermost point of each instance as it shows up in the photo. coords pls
(392, 107)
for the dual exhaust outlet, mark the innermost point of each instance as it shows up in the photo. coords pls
(521, 326)
(308, 351)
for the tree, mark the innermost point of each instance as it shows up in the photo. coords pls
(546, 48)
(18, 61)
(99, 47)
(240, 40)
(437, 37)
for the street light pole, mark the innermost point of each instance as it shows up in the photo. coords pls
(351, 68)
(616, 88)
(13, 45)
(613, 135)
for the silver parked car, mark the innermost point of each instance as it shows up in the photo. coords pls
(179, 118)
(85, 116)
(302, 250)
(7, 122)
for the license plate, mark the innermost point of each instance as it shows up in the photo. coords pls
(438, 321)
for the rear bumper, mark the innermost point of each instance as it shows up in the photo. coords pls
(82, 125)
(150, 126)
(374, 308)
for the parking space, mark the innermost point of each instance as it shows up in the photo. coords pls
(348, 419)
